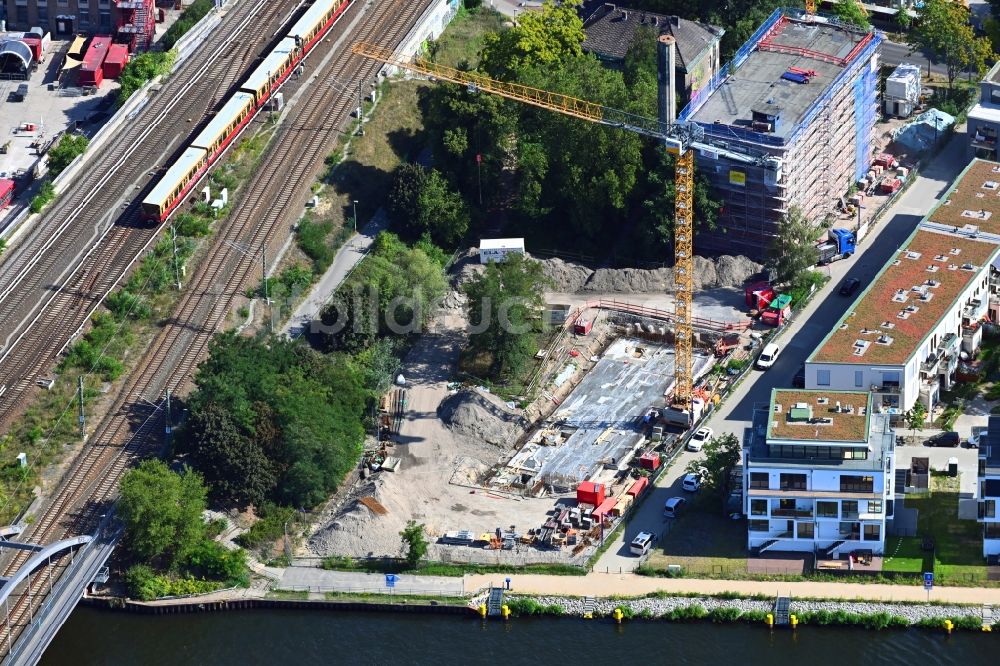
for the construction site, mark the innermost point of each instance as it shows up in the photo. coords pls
(799, 100)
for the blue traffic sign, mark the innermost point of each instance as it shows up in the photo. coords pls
(390, 580)
(928, 580)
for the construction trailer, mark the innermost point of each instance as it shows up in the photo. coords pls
(803, 91)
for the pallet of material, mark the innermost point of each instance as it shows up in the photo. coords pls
(374, 505)
(460, 538)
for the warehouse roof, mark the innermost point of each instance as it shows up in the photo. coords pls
(611, 31)
(917, 287)
(829, 416)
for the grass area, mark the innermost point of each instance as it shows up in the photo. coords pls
(903, 555)
(704, 542)
(958, 543)
(461, 43)
(298, 595)
(445, 568)
(375, 598)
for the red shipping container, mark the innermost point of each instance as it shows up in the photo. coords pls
(604, 509)
(649, 461)
(91, 71)
(759, 295)
(6, 192)
(583, 326)
(637, 487)
(589, 492)
(116, 61)
(35, 44)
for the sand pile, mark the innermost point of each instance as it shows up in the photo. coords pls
(482, 417)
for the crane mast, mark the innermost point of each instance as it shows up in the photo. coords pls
(677, 141)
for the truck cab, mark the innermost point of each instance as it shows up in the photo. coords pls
(840, 244)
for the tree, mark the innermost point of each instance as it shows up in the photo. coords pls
(793, 251)
(851, 12)
(915, 417)
(540, 38)
(721, 455)
(903, 19)
(64, 152)
(162, 511)
(414, 542)
(503, 301)
(943, 29)
(422, 202)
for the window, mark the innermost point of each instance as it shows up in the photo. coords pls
(105, 19)
(856, 484)
(873, 532)
(822, 377)
(43, 13)
(793, 481)
(758, 526)
(992, 531)
(874, 506)
(849, 508)
(988, 509)
(758, 507)
(859, 378)
(850, 531)
(21, 14)
(760, 480)
(995, 96)
(805, 530)
(826, 509)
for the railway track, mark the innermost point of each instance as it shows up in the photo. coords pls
(49, 284)
(132, 429)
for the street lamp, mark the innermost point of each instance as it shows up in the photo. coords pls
(245, 251)
(355, 202)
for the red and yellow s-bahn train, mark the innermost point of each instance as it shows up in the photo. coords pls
(234, 115)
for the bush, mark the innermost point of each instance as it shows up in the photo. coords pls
(142, 68)
(187, 20)
(526, 606)
(123, 304)
(188, 224)
(687, 613)
(883, 620)
(210, 559)
(269, 527)
(44, 197)
(754, 616)
(143, 584)
(63, 153)
(312, 241)
(723, 614)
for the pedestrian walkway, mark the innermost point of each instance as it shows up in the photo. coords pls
(631, 585)
(319, 580)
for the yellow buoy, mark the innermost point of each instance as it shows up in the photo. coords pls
(482, 610)
(770, 619)
(505, 611)
(794, 621)
(949, 625)
(618, 615)
(987, 628)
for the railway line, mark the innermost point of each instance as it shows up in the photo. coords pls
(74, 256)
(262, 216)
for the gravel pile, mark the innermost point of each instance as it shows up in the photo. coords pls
(482, 417)
(912, 612)
(724, 271)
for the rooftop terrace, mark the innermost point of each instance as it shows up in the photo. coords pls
(757, 84)
(906, 301)
(828, 416)
(973, 199)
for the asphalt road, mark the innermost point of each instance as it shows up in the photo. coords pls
(798, 339)
(893, 53)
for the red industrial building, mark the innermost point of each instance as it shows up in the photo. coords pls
(92, 69)
(115, 62)
(136, 23)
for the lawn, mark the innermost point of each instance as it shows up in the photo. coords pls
(958, 558)
(705, 542)
(461, 42)
(903, 554)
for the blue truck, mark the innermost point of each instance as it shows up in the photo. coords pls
(840, 244)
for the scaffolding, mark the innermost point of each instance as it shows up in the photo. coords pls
(136, 24)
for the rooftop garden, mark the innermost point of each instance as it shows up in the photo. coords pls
(842, 427)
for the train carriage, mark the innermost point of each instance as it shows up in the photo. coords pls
(272, 71)
(315, 21)
(167, 194)
(226, 124)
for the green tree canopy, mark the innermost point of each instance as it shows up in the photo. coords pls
(161, 510)
(943, 29)
(64, 152)
(414, 543)
(542, 38)
(720, 455)
(422, 202)
(793, 251)
(503, 301)
(851, 12)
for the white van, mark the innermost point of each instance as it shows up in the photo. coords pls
(768, 356)
(641, 544)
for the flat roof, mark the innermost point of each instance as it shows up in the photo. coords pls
(309, 20)
(96, 53)
(974, 198)
(823, 419)
(168, 183)
(501, 243)
(229, 112)
(906, 300)
(757, 84)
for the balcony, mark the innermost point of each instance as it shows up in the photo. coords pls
(849, 515)
(892, 389)
(980, 140)
(791, 513)
(931, 365)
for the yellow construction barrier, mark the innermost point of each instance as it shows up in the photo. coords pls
(987, 628)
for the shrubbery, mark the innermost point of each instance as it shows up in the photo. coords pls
(194, 12)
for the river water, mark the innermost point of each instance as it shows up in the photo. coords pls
(327, 637)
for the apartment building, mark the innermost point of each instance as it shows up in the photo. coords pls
(800, 101)
(907, 333)
(984, 119)
(989, 489)
(63, 18)
(818, 472)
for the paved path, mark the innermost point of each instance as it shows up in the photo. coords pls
(800, 338)
(348, 256)
(300, 578)
(607, 585)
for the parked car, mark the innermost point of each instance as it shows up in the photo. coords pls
(699, 438)
(673, 507)
(641, 544)
(768, 356)
(976, 438)
(799, 380)
(691, 483)
(849, 286)
(950, 438)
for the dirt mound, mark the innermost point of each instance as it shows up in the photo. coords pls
(471, 413)
(709, 273)
(630, 280)
(734, 271)
(359, 530)
(566, 276)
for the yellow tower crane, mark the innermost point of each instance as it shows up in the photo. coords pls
(678, 139)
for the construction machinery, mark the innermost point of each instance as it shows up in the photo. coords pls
(678, 138)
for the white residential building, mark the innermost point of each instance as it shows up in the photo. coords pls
(989, 489)
(904, 336)
(818, 474)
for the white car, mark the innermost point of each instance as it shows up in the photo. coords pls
(673, 507)
(699, 438)
(691, 483)
(768, 356)
(641, 544)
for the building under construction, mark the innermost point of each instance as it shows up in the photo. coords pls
(802, 93)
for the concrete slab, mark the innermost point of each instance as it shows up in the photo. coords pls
(318, 580)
